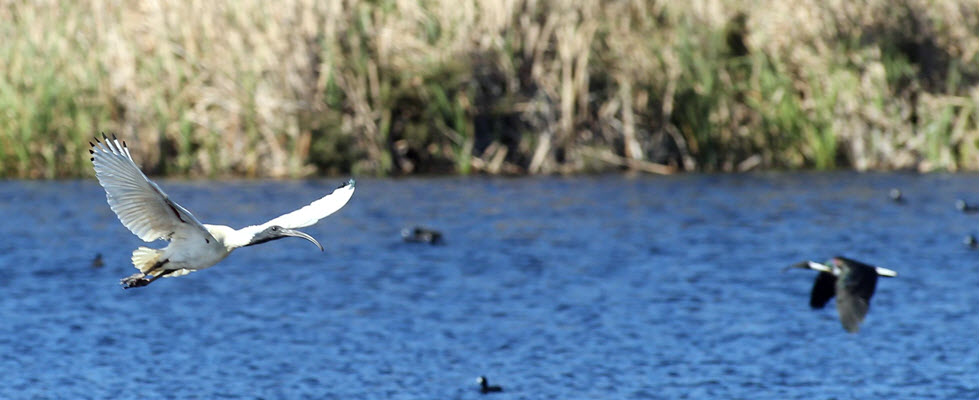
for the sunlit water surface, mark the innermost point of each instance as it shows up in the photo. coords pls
(603, 287)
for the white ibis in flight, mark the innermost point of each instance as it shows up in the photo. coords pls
(147, 211)
(853, 282)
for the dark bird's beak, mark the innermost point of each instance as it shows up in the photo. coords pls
(810, 265)
(802, 265)
(295, 233)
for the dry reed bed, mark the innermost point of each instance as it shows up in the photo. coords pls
(505, 86)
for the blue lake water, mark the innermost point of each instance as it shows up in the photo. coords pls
(605, 287)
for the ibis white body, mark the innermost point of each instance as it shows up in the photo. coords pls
(145, 209)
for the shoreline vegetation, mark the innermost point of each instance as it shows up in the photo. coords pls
(397, 87)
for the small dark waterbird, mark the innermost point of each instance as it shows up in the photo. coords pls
(485, 386)
(853, 282)
(896, 195)
(970, 241)
(97, 261)
(965, 207)
(421, 234)
(150, 214)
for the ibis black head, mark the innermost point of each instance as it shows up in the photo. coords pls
(277, 232)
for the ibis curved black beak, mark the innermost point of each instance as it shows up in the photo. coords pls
(295, 233)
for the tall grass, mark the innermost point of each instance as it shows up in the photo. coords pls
(391, 87)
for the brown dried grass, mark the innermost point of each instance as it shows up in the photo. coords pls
(308, 87)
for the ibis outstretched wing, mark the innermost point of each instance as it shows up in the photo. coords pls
(140, 204)
(315, 211)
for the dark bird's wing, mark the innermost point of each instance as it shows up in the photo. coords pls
(823, 289)
(854, 290)
(852, 310)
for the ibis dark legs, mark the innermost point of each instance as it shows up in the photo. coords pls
(140, 279)
(135, 280)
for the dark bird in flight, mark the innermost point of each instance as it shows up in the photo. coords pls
(853, 282)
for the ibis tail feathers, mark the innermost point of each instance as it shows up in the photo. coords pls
(145, 259)
(149, 262)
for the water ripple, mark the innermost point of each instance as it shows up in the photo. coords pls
(595, 287)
